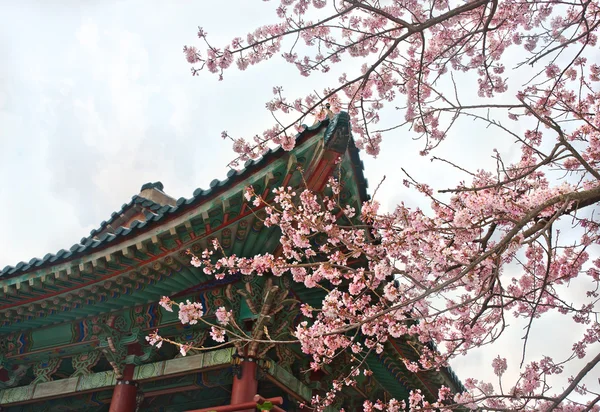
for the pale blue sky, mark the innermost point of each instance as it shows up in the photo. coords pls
(96, 99)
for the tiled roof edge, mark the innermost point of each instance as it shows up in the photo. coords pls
(88, 243)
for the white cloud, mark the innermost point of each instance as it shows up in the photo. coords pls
(87, 35)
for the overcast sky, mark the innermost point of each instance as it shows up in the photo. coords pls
(96, 99)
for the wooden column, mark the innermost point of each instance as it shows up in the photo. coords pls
(125, 392)
(245, 387)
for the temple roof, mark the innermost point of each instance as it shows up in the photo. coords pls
(100, 238)
(51, 307)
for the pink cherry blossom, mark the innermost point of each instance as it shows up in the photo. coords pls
(190, 312)
(154, 339)
(183, 349)
(223, 316)
(166, 303)
(499, 365)
(218, 334)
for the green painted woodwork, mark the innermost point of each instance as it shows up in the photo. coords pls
(44, 370)
(84, 362)
(94, 381)
(387, 379)
(289, 381)
(245, 313)
(285, 378)
(53, 388)
(92, 402)
(59, 335)
(157, 284)
(71, 338)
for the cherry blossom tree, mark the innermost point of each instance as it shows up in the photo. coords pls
(503, 243)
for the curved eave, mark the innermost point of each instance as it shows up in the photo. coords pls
(95, 243)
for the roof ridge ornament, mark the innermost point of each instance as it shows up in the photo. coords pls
(156, 185)
(155, 193)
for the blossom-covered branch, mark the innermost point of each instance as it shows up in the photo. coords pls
(502, 243)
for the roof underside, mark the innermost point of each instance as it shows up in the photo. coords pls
(148, 259)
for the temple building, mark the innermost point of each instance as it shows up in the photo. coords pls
(73, 324)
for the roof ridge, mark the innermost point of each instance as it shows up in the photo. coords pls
(162, 211)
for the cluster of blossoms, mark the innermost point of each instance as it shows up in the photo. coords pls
(415, 46)
(189, 312)
(417, 401)
(489, 248)
(412, 260)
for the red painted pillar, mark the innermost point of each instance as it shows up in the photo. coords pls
(246, 386)
(124, 395)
